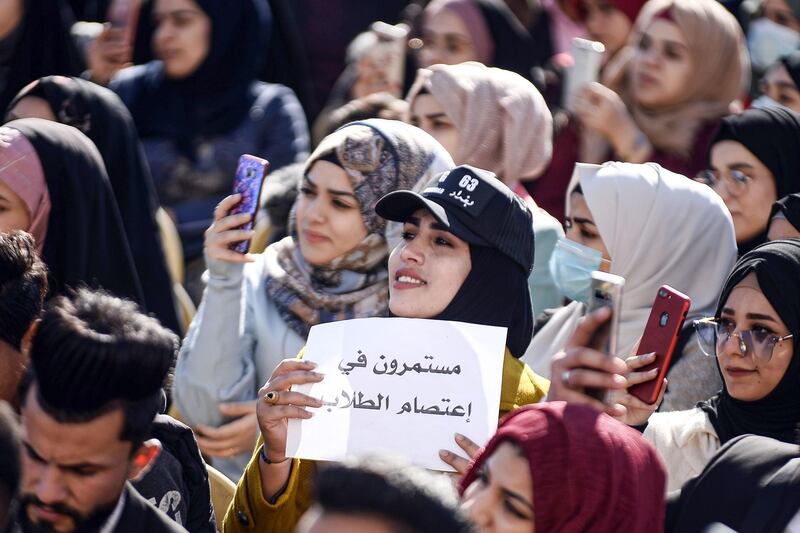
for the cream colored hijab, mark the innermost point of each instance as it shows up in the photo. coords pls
(720, 74)
(503, 120)
(660, 228)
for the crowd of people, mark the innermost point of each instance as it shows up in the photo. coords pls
(150, 371)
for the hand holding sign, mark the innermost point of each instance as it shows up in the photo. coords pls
(273, 415)
(398, 385)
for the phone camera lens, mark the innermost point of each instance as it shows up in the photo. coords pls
(662, 294)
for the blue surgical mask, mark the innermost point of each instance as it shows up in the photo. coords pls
(768, 41)
(571, 266)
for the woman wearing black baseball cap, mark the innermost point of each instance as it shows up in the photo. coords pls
(466, 255)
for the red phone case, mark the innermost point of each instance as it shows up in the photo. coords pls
(660, 336)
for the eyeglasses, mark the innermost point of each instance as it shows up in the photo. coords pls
(737, 181)
(713, 334)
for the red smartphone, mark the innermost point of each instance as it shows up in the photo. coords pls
(250, 176)
(124, 14)
(661, 336)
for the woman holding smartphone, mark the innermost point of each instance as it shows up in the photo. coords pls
(456, 266)
(684, 66)
(653, 228)
(258, 309)
(753, 337)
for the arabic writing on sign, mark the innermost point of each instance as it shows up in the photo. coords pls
(357, 400)
(399, 385)
(393, 368)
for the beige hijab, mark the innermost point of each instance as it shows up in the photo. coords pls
(503, 121)
(660, 228)
(720, 74)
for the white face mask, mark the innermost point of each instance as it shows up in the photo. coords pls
(768, 41)
(765, 102)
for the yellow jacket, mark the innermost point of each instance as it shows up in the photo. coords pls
(521, 386)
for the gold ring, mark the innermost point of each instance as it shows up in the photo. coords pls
(271, 398)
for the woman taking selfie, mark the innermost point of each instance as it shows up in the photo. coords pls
(754, 161)
(653, 228)
(451, 265)
(684, 66)
(753, 336)
(331, 267)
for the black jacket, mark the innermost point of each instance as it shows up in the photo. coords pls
(138, 516)
(177, 484)
(751, 485)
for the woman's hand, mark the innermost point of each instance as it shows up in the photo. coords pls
(602, 110)
(636, 411)
(456, 461)
(107, 54)
(223, 232)
(233, 438)
(274, 413)
(577, 368)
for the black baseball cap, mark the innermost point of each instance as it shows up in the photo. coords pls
(474, 206)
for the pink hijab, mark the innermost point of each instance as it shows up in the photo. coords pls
(503, 121)
(21, 171)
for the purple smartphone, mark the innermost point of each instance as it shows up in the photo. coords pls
(249, 179)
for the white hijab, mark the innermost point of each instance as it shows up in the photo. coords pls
(660, 228)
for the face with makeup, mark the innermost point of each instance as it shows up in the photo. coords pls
(445, 40)
(778, 85)
(13, 211)
(661, 66)
(747, 377)
(427, 268)
(500, 500)
(182, 37)
(746, 186)
(580, 227)
(329, 222)
(428, 115)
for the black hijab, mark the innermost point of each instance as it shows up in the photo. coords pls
(41, 45)
(86, 243)
(513, 46)
(101, 115)
(789, 205)
(495, 293)
(791, 63)
(776, 265)
(773, 136)
(216, 97)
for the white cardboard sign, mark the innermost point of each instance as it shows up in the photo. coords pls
(401, 386)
